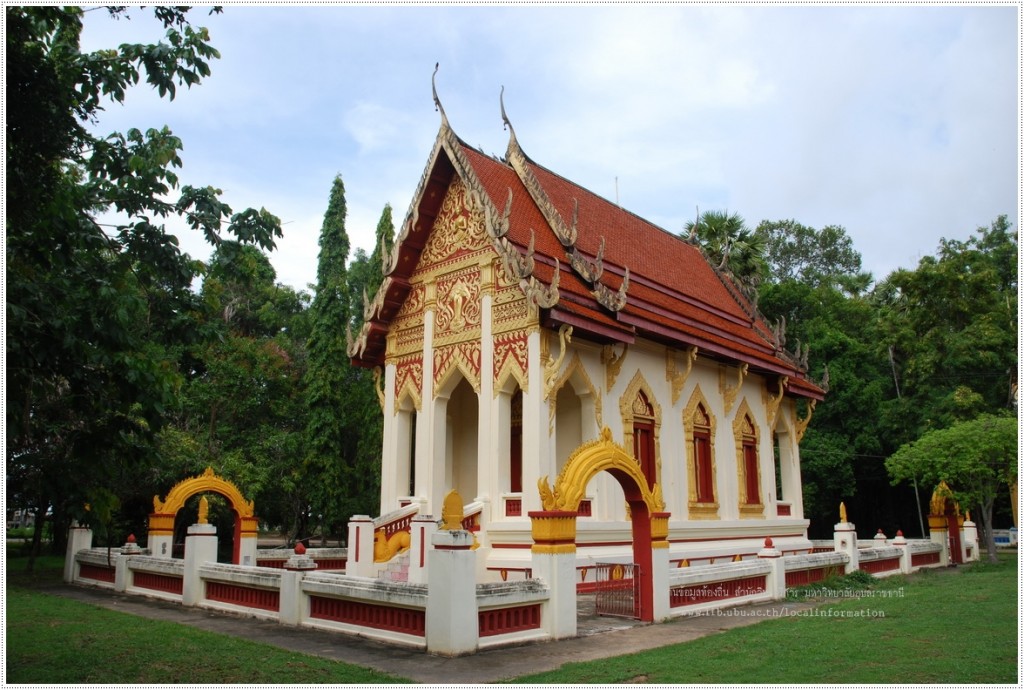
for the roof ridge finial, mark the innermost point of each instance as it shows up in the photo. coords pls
(437, 101)
(513, 142)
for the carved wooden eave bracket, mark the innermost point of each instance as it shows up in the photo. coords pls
(729, 393)
(612, 364)
(552, 368)
(772, 401)
(590, 270)
(801, 424)
(674, 376)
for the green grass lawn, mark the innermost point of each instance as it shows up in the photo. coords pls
(937, 627)
(53, 640)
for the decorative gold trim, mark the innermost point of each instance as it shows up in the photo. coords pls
(409, 381)
(639, 383)
(612, 364)
(207, 481)
(591, 271)
(378, 386)
(574, 368)
(801, 424)
(540, 295)
(452, 512)
(772, 402)
(567, 234)
(551, 368)
(586, 461)
(728, 392)
(553, 549)
(463, 357)
(511, 359)
(613, 301)
(678, 378)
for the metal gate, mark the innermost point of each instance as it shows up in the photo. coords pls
(617, 590)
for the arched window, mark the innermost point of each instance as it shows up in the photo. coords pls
(704, 471)
(750, 466)
(748, 462)
(643, 437)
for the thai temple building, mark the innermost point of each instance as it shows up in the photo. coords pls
(575, 402)
(523, 319)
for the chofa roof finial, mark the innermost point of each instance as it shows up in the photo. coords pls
(504, 116)
(437, 101)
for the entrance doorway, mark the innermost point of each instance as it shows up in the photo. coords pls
(556, 524)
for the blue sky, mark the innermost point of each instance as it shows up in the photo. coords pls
(899, 123)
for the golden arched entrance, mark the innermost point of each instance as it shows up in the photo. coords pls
(554, 528)
(161, 520)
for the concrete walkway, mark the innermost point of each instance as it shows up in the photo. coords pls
(599, 638)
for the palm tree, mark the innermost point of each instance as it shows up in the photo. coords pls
(729, 245)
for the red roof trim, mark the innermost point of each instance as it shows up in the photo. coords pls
(695, 323)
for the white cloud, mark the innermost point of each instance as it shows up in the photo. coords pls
(899, 123)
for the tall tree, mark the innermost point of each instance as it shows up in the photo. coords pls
(91, 310)
(799, 252)
(327, 376)
(976, 458)
(730, 245)
(951, 328)
(365, 278)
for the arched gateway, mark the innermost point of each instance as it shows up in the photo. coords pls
(554, 528)
(161, 520)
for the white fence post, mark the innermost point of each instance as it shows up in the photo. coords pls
(969, 538)
(776, 579)
(421, 531)
(200, 548)
(79, 538)
(900, 542)
(360, 547)
(452, 624)
(845, 539)
(292, 608)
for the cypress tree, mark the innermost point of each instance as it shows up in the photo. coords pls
(328, 371)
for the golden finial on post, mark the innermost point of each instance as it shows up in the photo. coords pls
(451, 511)
(842, 512)
(204, 510)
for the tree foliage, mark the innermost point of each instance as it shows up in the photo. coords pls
(794, 251)
(729, 245)
(976, 458)
(329, 418)
(94, 312)
(951, 324)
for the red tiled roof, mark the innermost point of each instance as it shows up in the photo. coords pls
(674, 295)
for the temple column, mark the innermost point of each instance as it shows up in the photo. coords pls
(486, 466)
(389, 464)
(425, 425)
(535, 426)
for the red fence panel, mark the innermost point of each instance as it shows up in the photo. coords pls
(687, 595)
(172, 584)
(514, 619)
(394, 618)
(250, 597)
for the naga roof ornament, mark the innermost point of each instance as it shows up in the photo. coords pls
(437, 101)
(567, 233)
